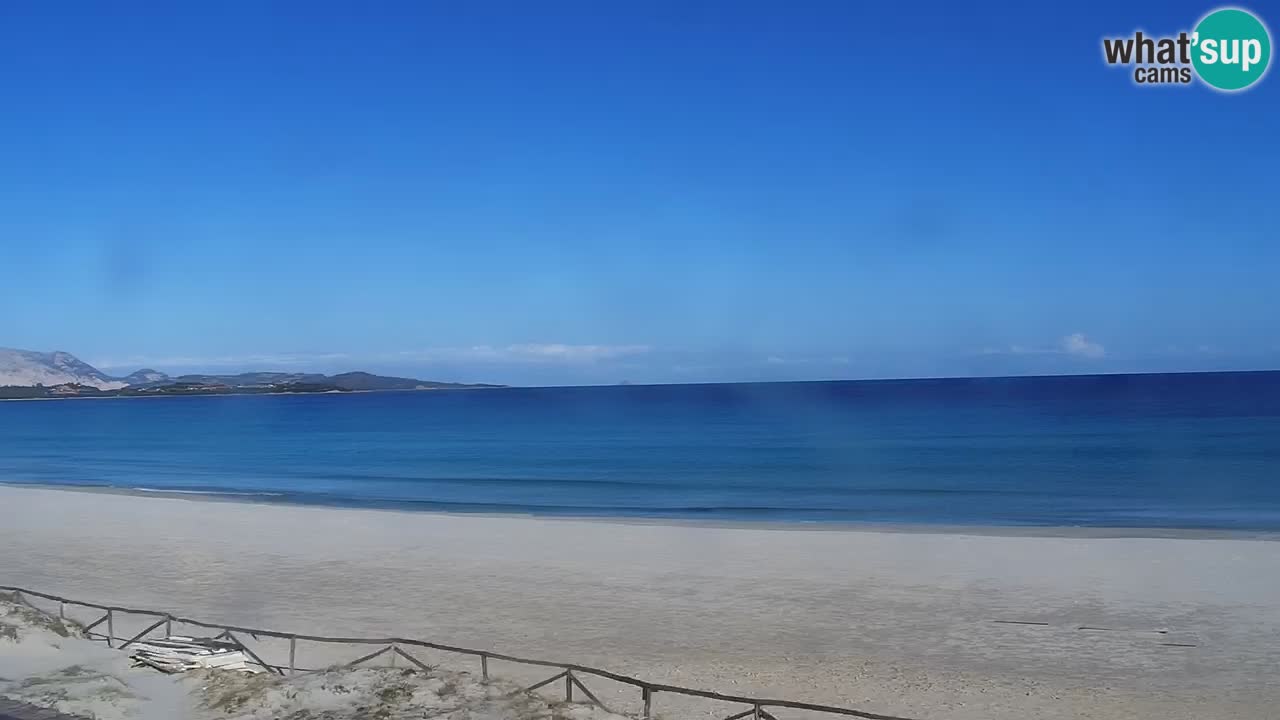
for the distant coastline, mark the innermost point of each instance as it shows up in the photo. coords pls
(118, 395)
(34, 375)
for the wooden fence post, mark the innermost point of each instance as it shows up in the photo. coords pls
(168, 625)
(111, 629)
(293, 649)
(484, 667)
(648, 702)
(568, 686)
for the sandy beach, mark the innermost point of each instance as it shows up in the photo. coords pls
(924, 625)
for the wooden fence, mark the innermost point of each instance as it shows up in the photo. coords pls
(570, 673)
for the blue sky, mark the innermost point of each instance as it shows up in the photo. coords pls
(595, 192)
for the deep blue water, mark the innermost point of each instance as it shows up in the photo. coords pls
(1185, 451)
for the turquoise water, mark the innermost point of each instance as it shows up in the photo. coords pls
(1179, 451)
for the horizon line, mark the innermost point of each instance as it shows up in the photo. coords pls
(901, 379)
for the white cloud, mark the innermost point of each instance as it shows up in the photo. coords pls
(1079, 345)
(532, 353)
(218, 361)
(1075, 344)
(576, 353)
(807, 360)
(1020, 350)
(523, 353)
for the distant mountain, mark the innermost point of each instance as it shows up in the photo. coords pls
(248, 379)
(24, 373)
(25, 368)
(367, 381)
(344, 381)
(145, 376)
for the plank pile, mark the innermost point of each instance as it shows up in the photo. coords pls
(179, 654)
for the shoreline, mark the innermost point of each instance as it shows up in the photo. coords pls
(1010, 531)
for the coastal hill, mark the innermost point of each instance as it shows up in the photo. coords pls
(30, 374)
(27, 368)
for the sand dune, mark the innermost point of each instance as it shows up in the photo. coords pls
(51, 664)
(895, 622)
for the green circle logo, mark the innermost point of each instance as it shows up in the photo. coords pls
(1232, 49)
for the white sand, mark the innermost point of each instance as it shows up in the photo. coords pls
(48, 664)
(892, 622)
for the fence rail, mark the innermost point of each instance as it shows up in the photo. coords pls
(395, 646)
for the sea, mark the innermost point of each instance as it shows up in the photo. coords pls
(1195, 451)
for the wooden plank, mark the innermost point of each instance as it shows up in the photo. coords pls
(535, 686)
(95, 624)
(148, 662)
(142, 634)
(252, 654)
(425, 667)
(366, 658)
(590, 695)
